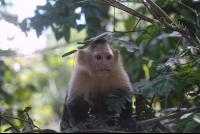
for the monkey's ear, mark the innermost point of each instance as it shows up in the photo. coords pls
(116, 55)
(81, 56)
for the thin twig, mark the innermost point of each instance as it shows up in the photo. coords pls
(167, 68)
(187, 6)
(128, 10)
(152, 100)
(114, 20)
(197, 17)
(136, 25)
(149, 121)
(138, 30)
(164, 15)
(150, 10)
(9, 123)
(142, 123)
(179, 106)
(21, 120)
(174, 52)
(143, 17)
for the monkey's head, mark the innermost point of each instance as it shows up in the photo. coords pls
(98, 57)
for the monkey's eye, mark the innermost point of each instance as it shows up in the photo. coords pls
(98, 57)
(108, 57)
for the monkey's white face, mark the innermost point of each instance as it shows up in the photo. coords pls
(102, 58)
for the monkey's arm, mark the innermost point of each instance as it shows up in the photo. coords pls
(78, 109)
(126, 120)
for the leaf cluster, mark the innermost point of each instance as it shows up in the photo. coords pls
(96, 123)
(162, 84)
(189, 25)
(150, 32)
(27, 125)
(130, 46)
(117, 101)
(69, 128)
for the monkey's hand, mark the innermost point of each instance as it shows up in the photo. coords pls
(129, 125)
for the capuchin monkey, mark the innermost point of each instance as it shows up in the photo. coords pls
(98, 74)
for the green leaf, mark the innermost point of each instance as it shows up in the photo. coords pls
(109, 101)
(118, 109)
(68, 53)
(58, 35)
(122, 104)
(151, 30)
(173, 85)
(111, 106)
(80, 27)
(192, 28)
(97, 12)
(138, 40)
(27, 109)
(8, 129)
(69, 130)
(144, 37)
(126, 45)
(66, 33)
(192, 34)
(176, 80)
(49, 131)
(64, 125)
(157, 24)
(161, 78)
(153, 91)
(127, 98)
(71, 122)
(134, 46)
(139, 84)
(164, 89)
(159, 83)
(178, 17)
(94, 121)
(151, 37)
(146, 92)
(53, 28)
(100, 121)
(88, 121)
(190, 126)
(196, 99)
(123, 100)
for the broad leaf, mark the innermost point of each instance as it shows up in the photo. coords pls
(151, 37)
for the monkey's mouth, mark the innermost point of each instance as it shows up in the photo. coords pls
(103, 71)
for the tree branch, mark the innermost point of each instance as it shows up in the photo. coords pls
(163, 14)
(174, 52)
(20, 120)
(142, 123)
(136, 25)
(141, 16)
(128, 10)
(9, 123)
